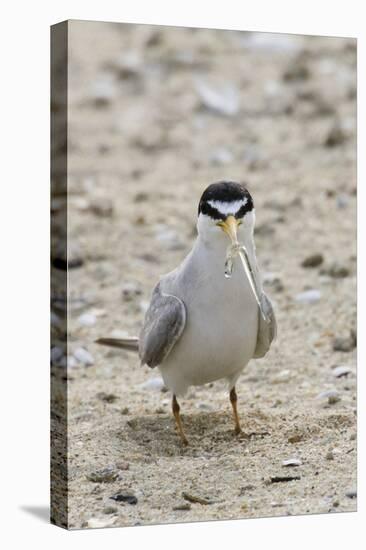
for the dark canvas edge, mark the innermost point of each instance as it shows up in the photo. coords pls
(58, 328)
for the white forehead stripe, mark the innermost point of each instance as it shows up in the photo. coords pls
(227, 208)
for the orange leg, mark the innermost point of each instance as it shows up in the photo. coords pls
(176, 409)
(233, 400)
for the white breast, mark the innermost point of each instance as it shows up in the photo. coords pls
(222, 321)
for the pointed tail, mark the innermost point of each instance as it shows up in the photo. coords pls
(131, 344)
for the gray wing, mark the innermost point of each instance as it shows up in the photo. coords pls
(164, 323)
(267, 330)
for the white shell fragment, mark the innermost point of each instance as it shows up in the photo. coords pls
(87, 319)
(340, 371)
(154, 384)
(84, 357)
(308, 297)
(98, 523)
(292, 462)
(223, 100)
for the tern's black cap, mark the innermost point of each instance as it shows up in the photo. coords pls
(225, 192)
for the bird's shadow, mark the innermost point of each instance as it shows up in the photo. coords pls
(206, 432)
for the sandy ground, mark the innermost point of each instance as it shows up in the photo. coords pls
(155, 116)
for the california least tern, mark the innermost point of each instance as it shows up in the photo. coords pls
(203, 324)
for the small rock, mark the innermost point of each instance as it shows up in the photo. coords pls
(71, 362)
(104, 475)
(223, 101)
(128, 66)
(245, 489)
(107, 397)
(308, 296)
(204, 406)
(352, 493)
(333, 399)
(102, 93)
(283, 479)
(87, 319)
(264, 230)
(342, 201)
(122, 465)
(336, 136)
(102, 207)
(121, 497)
(110, 509)
(154, 384)
(130, 291)
(340, 371)
(98, 523)
(329, 455)
(292, 462)
(336, 271)
(68, 258)
(83, 356)
(345, 343)
(274, 281)
(328, 394)
(141, 196)
(313, 261)
(196, 499)
(297, 70)
(281, 377)
(182, 506)
(295, 438)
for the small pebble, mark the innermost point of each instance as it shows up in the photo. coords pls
(313, 261)
(122, 465)
(308, 296)
(292, 462)
(83, 356)
(340, 371)
(87, 319)
(329, 455)
(154, 384)
(121, 497)
(110, 509)
(345, 343)
(98, 523)
(130, 291)
(281, 377)
(296, 71)
(336, 136)
(102, 93)
(107, 397)
(328, 394)
(223, 100)
(102, 207)
(104, 475)
(342, 201)
(182, 506)
(336, 270)
(295, 438)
